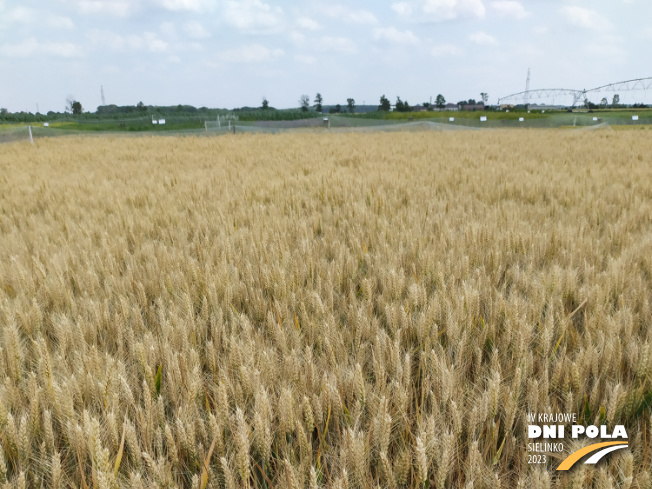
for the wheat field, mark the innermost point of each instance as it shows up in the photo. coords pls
(336, 311)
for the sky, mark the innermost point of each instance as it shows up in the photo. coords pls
(232, 53)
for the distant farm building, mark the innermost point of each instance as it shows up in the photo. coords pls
(473, 107)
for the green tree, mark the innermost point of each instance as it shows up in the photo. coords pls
(616, 100)
(440, 101)
(484, 96)
(335, 110)
(350, 105)
(384, 104)
(141, 107)
(265, 105)
(77, 108)
(304, 102)
(604, 102)
(402, 106)
(318, 102)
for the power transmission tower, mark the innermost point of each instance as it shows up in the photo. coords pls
(102, 93)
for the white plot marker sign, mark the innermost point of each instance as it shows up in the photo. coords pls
(451, 119)
(154, 121)
(595, 119)
(634, 117)
(161, 122)
(521, 119)
(483, 118)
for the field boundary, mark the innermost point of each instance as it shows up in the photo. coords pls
(334, 124)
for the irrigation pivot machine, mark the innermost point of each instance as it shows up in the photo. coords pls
(526, 97)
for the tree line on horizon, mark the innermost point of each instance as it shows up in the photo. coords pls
(74, 107)
(384, 106)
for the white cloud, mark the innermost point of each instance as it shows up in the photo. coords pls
(154, 43)
(305, 59)
(25, 15)
(253, 16)
(440, 10)
(602, 49)
(510, 8)
(483, 39)
(31, 47)
(583, 17)
(20, 50)
(110, 69)
(402, 8)
(20, 14)
(195, 30)
(124, 8)
(117, 8)
(446, 50)
(168, 29)
(185, 5)
(529, 50)
(60, 22)
(308, 24)
(330, 44)
(297, 37)
(251, 53)
(106, 38)
(360, 17)
(349, 15)
(324, 44)
(149, 41)
(62, 49)
(393, 35)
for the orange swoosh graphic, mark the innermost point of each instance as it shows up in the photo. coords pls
(575, 456)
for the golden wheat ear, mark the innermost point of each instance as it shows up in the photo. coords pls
(81, 471)
(229, 479)
(204, 472)
(118, 457)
